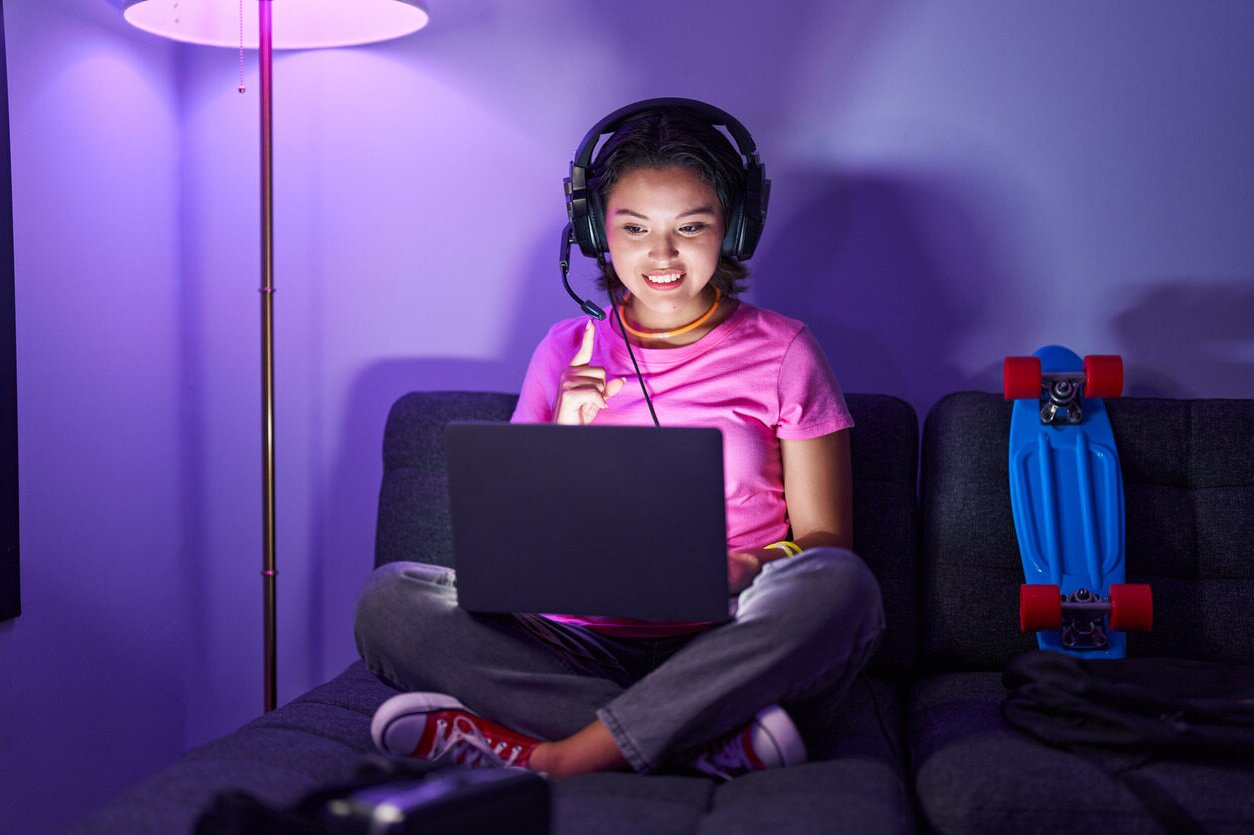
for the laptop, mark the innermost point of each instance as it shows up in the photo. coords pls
(616, 521)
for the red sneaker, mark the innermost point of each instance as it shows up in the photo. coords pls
(770, 740)
(432, 726)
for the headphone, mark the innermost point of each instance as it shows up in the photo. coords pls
(746, 212)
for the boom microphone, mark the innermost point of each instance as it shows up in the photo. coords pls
(568, 237)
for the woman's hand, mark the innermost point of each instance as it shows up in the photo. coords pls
(582, 389)
(742, 568)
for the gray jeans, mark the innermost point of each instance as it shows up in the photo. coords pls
(800, 634)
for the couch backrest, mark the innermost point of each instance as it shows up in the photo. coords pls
(414, 522)
(884, 445)
(1188, 470)
(414, 507)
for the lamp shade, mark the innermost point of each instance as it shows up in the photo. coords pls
(298, 24)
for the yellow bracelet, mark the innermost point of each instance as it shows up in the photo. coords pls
(790, 548)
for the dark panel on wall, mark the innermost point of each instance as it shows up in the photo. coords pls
(10, 599)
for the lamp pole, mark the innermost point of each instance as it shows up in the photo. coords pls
(314, 24)
(269, 573)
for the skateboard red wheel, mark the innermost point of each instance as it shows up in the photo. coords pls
(1021, 378)
(1040, 607)
(1103, 375)
(1131, 607)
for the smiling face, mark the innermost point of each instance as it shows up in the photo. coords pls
(665, 232)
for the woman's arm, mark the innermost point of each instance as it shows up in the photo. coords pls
(818, 488)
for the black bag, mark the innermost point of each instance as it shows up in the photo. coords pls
(396, 796)
(1147, 707)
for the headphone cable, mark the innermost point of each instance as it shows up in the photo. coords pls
(622, 329)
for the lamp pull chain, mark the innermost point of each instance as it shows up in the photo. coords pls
(241, 46)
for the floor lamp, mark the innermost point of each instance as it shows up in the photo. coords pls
(266, 25)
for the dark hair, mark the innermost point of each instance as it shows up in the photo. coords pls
(665, 138)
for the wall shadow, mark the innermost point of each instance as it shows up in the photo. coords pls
(889, 273)
(344, 513)
(1189, 337)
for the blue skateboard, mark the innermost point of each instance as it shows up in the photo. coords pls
(1066, 493)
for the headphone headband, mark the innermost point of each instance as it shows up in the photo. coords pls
(715, 116)
(746, 212)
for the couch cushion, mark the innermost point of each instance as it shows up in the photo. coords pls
(855, 782)
(316, 740)
(1188, 470)
(976, 774)
(414, 507)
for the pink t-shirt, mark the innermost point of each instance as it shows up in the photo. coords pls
(758, 377)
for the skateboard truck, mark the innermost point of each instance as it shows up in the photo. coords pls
(1082, 616)
(1084, 621)
(1061, 393)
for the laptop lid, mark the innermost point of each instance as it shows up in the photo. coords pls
(617, 521)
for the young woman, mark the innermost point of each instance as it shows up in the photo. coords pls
(566, 695)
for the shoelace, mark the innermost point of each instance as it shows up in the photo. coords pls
(467, 745)
(727, 757)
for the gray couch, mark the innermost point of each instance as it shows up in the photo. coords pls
(921, 745)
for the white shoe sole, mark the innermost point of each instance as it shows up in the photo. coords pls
(398, 724)
(776, 739)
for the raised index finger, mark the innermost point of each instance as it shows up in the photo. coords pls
(584, 355)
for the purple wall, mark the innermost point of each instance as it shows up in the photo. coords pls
(91, 695)
(952, 183)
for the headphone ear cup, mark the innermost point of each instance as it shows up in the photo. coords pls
(587, 218)
(748, 216)
(598, 239)
(734, 238)
(587, 233)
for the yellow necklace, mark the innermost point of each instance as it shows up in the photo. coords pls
(693, 325)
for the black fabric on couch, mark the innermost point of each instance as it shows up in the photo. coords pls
(1188, 469)
(856, 781)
